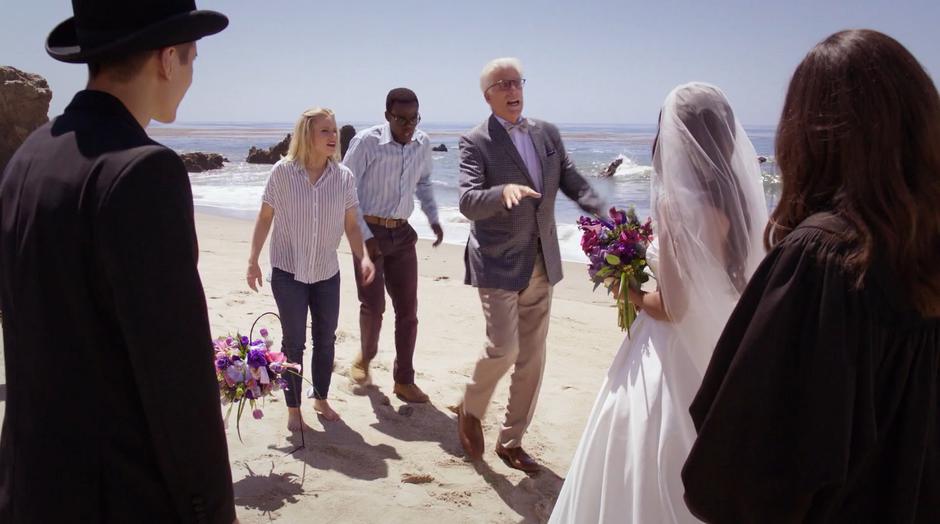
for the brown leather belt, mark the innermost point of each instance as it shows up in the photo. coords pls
(388, 223)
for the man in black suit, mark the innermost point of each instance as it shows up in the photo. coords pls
(112, 404)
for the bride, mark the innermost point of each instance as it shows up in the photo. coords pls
(709, 213)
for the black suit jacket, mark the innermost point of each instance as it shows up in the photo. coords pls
(112, 405)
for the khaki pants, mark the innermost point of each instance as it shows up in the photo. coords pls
(516, 328)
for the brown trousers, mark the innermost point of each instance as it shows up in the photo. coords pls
(397, 272)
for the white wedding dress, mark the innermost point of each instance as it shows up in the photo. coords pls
(626, 468)
(709, 213)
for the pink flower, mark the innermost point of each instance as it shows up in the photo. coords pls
(258, 414)
(589, 240)
(275, 356)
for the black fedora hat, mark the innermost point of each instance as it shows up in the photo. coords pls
(102, 29)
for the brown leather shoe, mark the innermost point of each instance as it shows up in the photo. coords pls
(410, 393)
(471, 434)
(517, 458)
(359, 373)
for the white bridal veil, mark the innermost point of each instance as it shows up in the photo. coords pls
(709, 212)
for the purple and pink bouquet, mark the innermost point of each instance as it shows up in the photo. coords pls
(247, 371)
(617, 252)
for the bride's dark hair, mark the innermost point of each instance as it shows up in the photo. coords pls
(710, 121)
(860, 137)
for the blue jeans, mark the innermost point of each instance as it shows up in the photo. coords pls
(293, 299)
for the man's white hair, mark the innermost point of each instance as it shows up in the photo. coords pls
(498, 65)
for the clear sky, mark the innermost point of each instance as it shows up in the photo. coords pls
(586, 61)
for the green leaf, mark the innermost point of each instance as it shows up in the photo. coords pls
(613, 260)
(238, 420)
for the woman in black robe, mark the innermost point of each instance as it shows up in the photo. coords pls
(821, 402)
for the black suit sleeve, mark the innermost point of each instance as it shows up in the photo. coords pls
(147, 240)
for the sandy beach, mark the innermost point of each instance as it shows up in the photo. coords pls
(387, 461)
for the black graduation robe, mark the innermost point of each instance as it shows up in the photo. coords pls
(821, 402)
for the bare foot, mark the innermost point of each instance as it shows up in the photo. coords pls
(294, 421)
(322, 406)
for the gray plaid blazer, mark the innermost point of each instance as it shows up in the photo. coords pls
(503, 243)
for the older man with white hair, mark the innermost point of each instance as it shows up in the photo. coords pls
(511, 169)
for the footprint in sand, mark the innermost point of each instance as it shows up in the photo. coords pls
(460, 498)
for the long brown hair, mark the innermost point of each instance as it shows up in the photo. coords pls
(860, 137)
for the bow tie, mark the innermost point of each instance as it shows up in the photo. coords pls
(523, 126)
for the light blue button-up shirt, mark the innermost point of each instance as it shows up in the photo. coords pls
(390, 175)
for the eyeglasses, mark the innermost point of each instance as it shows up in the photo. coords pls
(506, 85)
(405, 121)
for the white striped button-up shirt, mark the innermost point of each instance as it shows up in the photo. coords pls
(309, 218)
(389, 175)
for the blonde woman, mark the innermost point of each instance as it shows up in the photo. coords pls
(310, 199)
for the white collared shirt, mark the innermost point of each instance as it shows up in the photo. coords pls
(309, 219)
(526, 148)
(390, 175)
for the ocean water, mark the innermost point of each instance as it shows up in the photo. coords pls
(235, 190)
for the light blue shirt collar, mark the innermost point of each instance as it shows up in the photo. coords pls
(386, 135)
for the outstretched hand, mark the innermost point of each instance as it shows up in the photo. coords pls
(514, 193)
(254, 276)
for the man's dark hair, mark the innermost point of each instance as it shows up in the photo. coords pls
(400, 95)
(124, 67)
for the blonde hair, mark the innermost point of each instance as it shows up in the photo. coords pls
(498, 64)
(299, 148)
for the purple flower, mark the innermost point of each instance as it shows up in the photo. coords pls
(256, 358)
(257, 414)
(235, 373)
(589, 240)
(229, 341)
(244, 341)
(619, 217)
(264, 332)
(222, 363)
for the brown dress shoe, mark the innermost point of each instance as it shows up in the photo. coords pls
(471, 434)
(410, 393)
(517, 458)
(359, 373)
